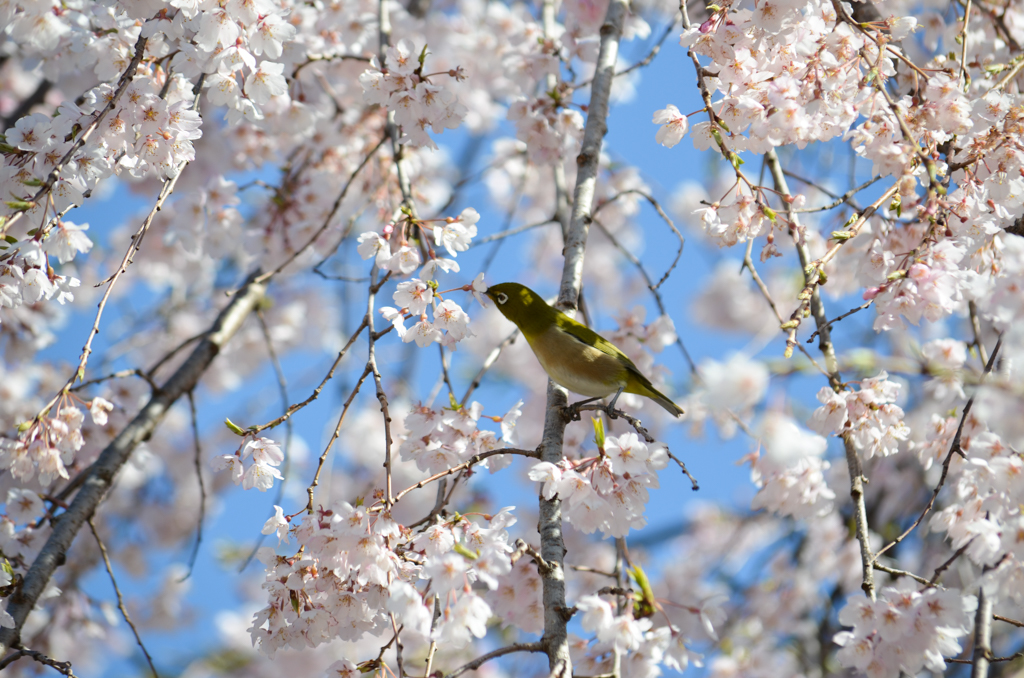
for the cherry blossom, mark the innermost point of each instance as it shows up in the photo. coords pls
(673, 126)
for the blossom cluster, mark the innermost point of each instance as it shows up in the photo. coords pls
(26, 277)
(48, 445)
(146, 133)
(869, 416)
(358, 572)
(984, 515)
(261, 472)
(450, 323)
(437, 440)
(905, 630)
(932, 288)
(418, 103)
(550, 131)
(647, 647)
(23, 531)
(607, 492)
(224, 40)
(727, 390)
(791, 474)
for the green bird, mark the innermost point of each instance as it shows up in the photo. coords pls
(572, 354)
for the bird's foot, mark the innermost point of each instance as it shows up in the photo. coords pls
(572, 412)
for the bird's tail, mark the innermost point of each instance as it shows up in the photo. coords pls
(670, 406)
(646, 388)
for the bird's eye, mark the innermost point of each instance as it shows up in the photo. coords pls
(502, 297)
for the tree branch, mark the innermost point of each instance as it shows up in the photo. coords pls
(103, 472)
(556, 638)
(827, 349)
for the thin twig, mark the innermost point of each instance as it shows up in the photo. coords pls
(120, 374)
(283, 390)
(120, 599)
(440, 501)
(841, 317)
(945, 566)
(511, 232)
(591, 570)
(367, 322)
(650, 285)
(202, 486)
(444, 371)
(1014, 72)
(313, 58)
(903, 573)
(330, 215)
(646, 61)
(173, 352)
(19, 652)
(382, 398)
(337, 432)
(292, 409)
(664, 217)
(954, 448)
(469, 463)
(165, 192)
(492, 358)
(839, 200)
(748, 263)
(682, 466)
(964, 76)
(508, 649)
(510, 214)
(993, 660)
(282, 387)
(1001, 618)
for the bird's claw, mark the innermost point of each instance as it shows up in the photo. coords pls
(572, 412)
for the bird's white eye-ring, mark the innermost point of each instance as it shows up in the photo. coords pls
(502, 297)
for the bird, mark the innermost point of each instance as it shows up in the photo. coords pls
(572, 354)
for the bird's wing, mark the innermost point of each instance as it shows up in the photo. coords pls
(588, 336)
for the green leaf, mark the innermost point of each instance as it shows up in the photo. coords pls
(645, 606)
(598, 432)
(465, 552)
(235, 428)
